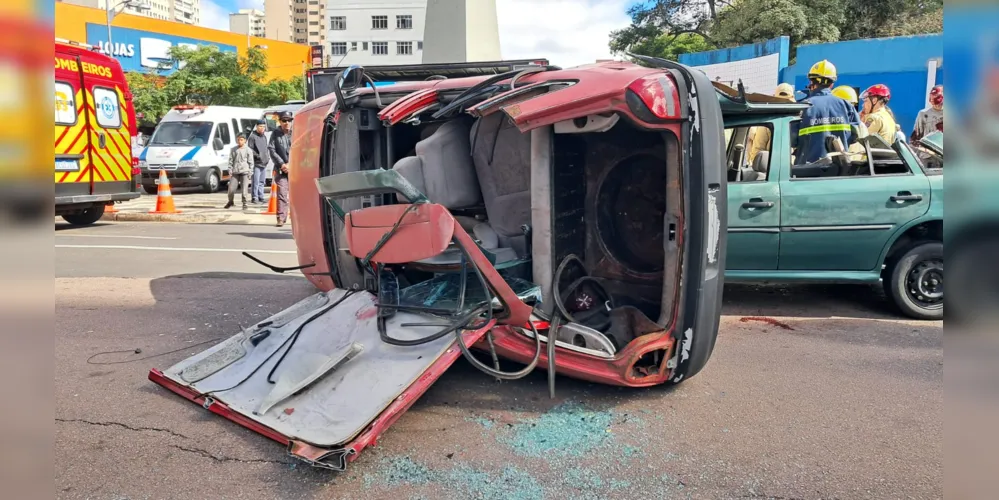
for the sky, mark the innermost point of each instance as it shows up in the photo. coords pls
(567, 32)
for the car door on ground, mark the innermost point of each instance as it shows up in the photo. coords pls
(754, 195)
(843, 222)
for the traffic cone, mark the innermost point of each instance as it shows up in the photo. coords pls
(164, 198)
(272, 203)
(110, 209)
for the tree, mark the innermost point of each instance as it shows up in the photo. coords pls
(658, 25)
(208, 76)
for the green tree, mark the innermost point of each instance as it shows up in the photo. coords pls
(208, 76)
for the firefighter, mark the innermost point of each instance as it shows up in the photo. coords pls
(877, 117)
(849, 94)
(828, 115)
(930, 119)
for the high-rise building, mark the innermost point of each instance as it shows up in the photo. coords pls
(298, 21)
(381, 32)
(248, 21)
(181, 11)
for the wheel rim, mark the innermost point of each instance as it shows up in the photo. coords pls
(925, 284)
(213, 181)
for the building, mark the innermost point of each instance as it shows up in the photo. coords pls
(248, 21)
(381, 32)
(296, 21)
(181, 11)
(141, 43)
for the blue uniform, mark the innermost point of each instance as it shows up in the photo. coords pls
(827, 116)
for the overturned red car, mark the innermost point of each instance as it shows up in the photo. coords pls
(565, 219)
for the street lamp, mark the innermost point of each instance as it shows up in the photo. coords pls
(112, 11)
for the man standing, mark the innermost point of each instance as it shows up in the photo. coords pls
(280, 149)
(240, 165)
(828, 116)
(930, 119)
(261, 157)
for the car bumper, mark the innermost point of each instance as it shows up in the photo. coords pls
(179, 177)
(94, 198)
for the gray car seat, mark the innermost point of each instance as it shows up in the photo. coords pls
(758, 170)
(443, 170)
(502, 157)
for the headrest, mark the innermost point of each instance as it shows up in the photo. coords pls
(425, 231)
(762, 162)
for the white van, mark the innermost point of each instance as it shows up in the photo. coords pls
(192, 144)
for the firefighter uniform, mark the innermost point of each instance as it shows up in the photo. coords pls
(882, 124)
(827, 116)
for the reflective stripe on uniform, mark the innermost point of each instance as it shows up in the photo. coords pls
(838, 127)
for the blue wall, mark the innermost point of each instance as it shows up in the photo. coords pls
(777, 45)
(900, 63)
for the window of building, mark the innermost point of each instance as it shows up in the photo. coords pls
(364, 45)
(353, 45)
(404, 48)
(313, 12)
(300, 40)
(404, 22)
(379, 48)
(313, 33)
(379, 22)
(338, 48)
(338, 23)
(313, 23)
(419, 45)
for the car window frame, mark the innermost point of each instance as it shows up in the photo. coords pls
(73, 104)
(218, 133)
(769, 124)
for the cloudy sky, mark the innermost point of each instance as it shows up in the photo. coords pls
(567, 32)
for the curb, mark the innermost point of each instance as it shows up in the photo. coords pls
(235, 219)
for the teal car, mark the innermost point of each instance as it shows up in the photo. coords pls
(871, 214)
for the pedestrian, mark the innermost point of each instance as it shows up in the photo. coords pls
(930, 119)
(261, 158)
(240, 167)
(828, 116)
(280, 149)
(876, 115)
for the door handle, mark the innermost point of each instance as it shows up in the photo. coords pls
(757, 203)
(904, 196)
(102, 140)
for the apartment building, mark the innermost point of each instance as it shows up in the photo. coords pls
(181, 11)
(248, 22)
(296, 21)
(375, 32)
(382, 32)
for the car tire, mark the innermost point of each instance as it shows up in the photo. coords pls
(150, 189)
(212, 181)
(915, 281)
(86, 217)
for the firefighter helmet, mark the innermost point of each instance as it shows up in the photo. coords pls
(878, 90)
(847, 93)
(822, 70)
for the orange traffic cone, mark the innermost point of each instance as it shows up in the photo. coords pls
(272, 203)
(164, 198)
(110, 209)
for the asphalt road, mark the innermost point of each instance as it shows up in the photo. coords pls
(833, 396)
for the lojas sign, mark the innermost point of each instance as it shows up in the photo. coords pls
(138, 50)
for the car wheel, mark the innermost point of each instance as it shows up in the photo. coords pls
(86, 217)
(150, 189)
(916, 283)
(212, 181)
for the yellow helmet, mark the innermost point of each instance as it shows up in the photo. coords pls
(847, 93)
(822, 70)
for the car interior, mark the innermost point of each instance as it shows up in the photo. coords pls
(610, 191)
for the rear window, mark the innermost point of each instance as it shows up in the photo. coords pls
(182, 134)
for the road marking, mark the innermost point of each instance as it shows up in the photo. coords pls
(175, 249)
(113, 236)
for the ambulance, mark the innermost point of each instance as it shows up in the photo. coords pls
(94, 126)
(192, 144)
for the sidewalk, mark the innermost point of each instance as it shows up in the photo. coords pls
(195, 207)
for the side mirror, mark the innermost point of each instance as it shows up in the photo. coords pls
(218, 144)
(425, 231)
(351, 78)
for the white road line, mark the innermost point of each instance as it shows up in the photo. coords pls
(113, 236)
(175, 249)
